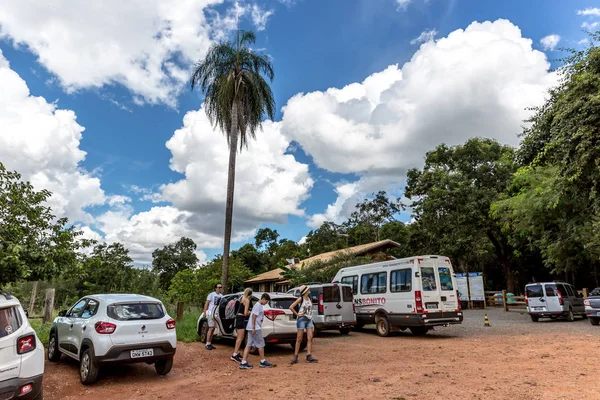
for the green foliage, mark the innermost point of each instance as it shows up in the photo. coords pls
(33, 245)
(42, 330)
(372, 213)
(171, 259)
(328, 237)
(187, 330)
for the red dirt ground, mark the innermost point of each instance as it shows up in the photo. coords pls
(363, 366)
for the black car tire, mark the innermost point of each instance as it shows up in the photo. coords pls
(535, 318)
(163, 367)
(53, 352)
(203, 331)
(88, 369)
(570, 316)
(594, 321)
(419, 330)
(344, 331)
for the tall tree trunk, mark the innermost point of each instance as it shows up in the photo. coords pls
(233, 141)
(510, 281)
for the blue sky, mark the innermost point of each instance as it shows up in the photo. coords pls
(364, 100)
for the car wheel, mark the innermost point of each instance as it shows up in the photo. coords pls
(203, 331)
(163, 367)
(594, 321)
(344, 331)
(418, 330)
(88, 370)
(383, 327)
(53, 353)
(570, 316)
(535, 318)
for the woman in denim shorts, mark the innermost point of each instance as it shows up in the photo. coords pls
(304, 321)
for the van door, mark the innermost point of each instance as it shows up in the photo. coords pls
(348, 316)
(536, 300)
(332, 307)
(552, 300)
(448, 296)
(431, 293)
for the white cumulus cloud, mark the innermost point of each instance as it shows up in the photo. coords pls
(550, 42)
(589, 12)
(590, 26)
(452, 89)
(425, 36)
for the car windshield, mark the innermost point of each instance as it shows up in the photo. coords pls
(135, 311)
(595, 292)
(10, 321)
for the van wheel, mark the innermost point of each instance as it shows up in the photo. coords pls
(383, 327)
(88, 370)
(535, 318)
(418, 330)
(53, 352)
(594, 321)
(203, 331)
(163, 367)
(344, 331)
(570, 316)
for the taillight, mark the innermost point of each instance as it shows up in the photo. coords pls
(272, 314)
(587, 303)
(560, 298)
(458, 301)
(171, 324)
(26, 389)
(526, 301)
(418, 301)
(321, 307)
(26, 344)
(104, 328)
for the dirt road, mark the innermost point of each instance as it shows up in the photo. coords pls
(551, 361)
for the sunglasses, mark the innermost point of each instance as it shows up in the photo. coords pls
(219, 287)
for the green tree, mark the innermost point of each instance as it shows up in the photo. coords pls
(328, 237)
(171, 259)
(373, 213)
(266, 240)
(250, 258)
(454, 192)
(236, 98)
(34, 244)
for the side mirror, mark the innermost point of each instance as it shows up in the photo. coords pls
(62, 313)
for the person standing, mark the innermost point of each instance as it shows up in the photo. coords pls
(255, 337)
(241, 322)
(304, 321)
(211, 301)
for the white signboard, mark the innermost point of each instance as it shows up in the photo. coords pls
(476, 286)
(463, 286)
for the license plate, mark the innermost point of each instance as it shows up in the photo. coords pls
(333, 318)
(538, 308)
(431, 305)
(142, 353)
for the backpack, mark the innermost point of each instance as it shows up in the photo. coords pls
(231, 309)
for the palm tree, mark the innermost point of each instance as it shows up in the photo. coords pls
(236, 98)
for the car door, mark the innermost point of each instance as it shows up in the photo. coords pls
(223, 321)
(578, 306)
(80, 323)
(66, 340)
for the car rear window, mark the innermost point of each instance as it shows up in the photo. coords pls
(534, 291)
(551, 291)
(347, 294)
(331, 294)
(135, 311)
(281, 304)
(10, 321)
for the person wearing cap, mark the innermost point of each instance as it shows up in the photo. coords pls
(304, 321)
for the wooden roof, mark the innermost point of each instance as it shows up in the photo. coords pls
(275, 274)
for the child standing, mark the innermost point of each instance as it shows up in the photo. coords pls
(255, 337)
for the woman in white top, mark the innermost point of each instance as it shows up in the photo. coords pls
(304, 321)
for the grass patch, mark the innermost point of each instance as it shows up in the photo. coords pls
(42, 330)
(186, 328)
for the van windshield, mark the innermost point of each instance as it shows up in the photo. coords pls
(10, 321)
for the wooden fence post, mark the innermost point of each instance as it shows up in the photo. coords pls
(33, 297)
(180, 305)
(585, 292)
(504, 300)
(49, 305)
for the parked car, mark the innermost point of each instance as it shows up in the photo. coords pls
(415, 293)
(279, 325)
(21, 353)
(333, 306)
(114, 329)
(553, 300)
(592, 306)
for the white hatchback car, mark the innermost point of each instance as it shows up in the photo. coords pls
(21, 353)
(114, 329)
(279, 325)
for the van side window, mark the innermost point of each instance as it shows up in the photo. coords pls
(373, 283)
(351, 280)
(400, 280)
